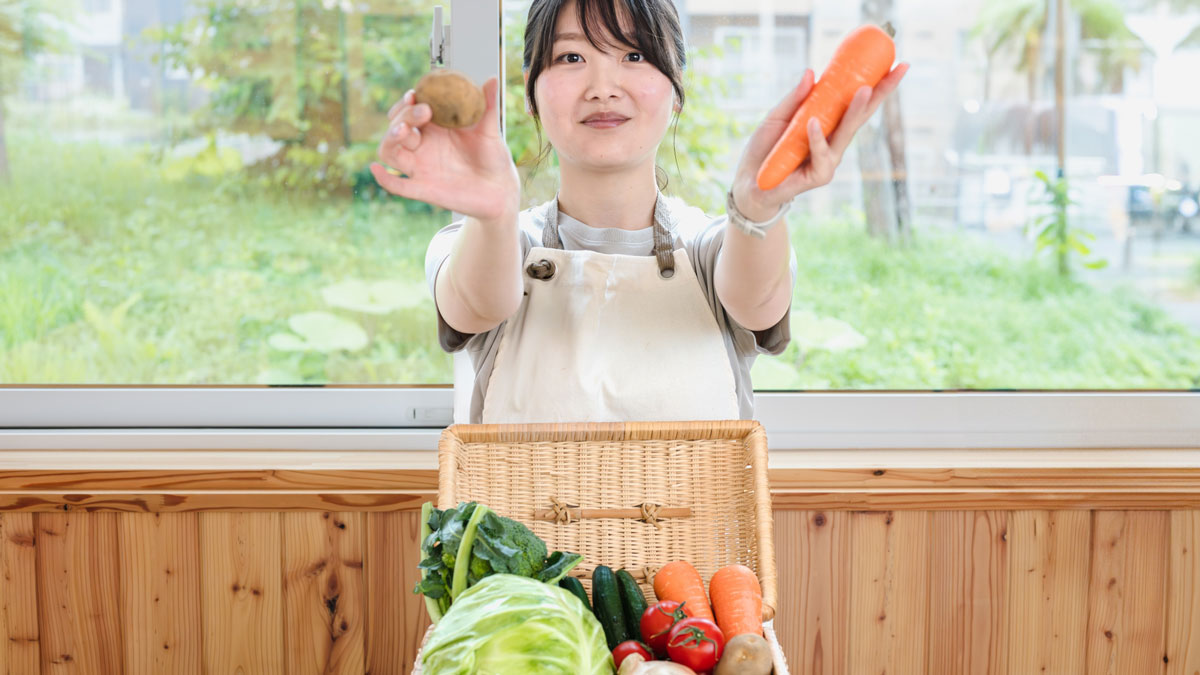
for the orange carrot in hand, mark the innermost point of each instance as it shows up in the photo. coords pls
(862, 59)
(736, 600)
(679, 581)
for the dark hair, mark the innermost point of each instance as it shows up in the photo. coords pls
(657, 35)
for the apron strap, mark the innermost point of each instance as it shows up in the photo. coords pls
(664, 243)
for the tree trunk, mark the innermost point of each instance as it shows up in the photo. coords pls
(1060, 84)
(893, 123)
(879, 202)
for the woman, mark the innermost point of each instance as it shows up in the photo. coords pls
(609, 302)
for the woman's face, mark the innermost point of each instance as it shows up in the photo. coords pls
(601, 110)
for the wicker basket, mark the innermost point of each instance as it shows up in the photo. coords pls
(633, 496)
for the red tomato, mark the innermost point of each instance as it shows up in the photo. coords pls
(657, 622)
(696, 643)
(630, 647)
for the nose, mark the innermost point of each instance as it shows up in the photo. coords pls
(604, 80)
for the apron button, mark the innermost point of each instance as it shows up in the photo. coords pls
(542, 270)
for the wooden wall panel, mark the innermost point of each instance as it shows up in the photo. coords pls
(79, 592)
(20, 652)
(396, 617)
(1181, 654)
(160, 591)
(813, 548)
(968, 592)
(241, 596)
(1127, 596)
(1033, 586)
(323, 609)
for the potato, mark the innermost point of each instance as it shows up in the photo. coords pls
(456, 100)
(746, 654)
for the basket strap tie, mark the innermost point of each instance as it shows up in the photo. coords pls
(650, 514)
(648, 572)
(560, 511)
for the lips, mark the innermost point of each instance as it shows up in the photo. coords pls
(604, 120)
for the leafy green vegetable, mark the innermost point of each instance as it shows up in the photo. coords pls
(463, 545)
(508, 624)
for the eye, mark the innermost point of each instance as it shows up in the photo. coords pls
(567, 58)
(637, 57)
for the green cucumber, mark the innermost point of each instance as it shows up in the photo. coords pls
(576, 587)
(606, 601)
(632, 601)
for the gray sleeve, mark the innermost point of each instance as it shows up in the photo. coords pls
(703, 251)
(436, 255)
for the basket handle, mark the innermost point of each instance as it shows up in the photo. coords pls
(647, 512)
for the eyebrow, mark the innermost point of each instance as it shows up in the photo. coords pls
(567, 36)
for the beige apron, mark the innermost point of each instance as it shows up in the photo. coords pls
(610, 338)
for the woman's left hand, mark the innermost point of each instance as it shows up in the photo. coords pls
(824, 154)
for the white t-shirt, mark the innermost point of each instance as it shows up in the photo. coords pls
(700, 235)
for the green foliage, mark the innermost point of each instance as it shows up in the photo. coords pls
(218, 274)
(214, 275)
(1053, 231)
(317, 77)
(28, 27)
(949, 312)
(1019, 26)
(474, 537)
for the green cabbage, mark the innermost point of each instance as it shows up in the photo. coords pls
(508, 624)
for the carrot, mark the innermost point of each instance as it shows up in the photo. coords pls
(862, 59)
(679, 581)
(737, 601)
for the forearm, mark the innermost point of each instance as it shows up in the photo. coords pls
(753, 276)
(480, 284)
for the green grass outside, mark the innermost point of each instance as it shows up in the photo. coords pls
(113, 273)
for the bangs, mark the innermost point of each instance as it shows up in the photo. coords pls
(601, 23)
(656, 36)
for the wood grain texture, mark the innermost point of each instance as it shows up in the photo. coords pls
(889, 592)
(396, 617)
(1182, 644)
(195, 502)
(20, 652)
(323, 593)
(79, 591)
(1127, 595)
(968, 592)
(796, 489)
(241, 593)
(814, 590)
(1048, 591)
(233, 480)
(160, 588)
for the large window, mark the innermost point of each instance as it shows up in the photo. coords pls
(185, 197)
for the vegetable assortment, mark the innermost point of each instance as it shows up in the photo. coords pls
(681, 626)
(501, 605)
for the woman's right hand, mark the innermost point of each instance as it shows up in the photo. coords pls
(468, 171)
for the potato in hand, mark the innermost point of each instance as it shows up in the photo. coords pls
(456, 101)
